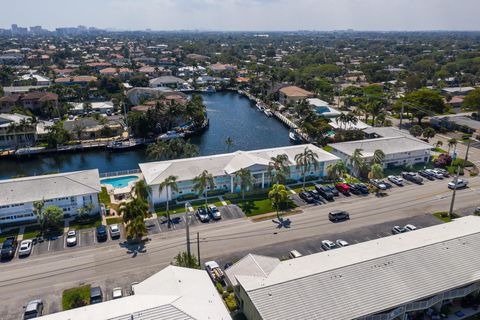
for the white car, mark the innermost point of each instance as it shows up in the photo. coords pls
(114, 231)
(434, 173)
(214, 212)
(461, 183)
(294, 254)
(117, 293)
(25, 248)
(328, 245)
(410, 227)
(396, 180)
(71, 238)
(342, 243)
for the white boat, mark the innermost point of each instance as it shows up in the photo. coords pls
(260, 107)
(294, 137)
(210, 89)
(124, 144)
(171, 135)
(28, 151)
(268, 112)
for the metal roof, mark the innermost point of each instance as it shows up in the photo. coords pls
(370, 277)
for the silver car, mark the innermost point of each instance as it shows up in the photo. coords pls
(25, 248)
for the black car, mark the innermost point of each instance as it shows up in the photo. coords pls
(9, 248)
(96, 295)
(324, 191)
(363, 188)
(426, 175)
(411, 176)
(353, 188)
(102, 234)
(387, 184)
(333, 190)
(305, 196)
(338, 215)
(314, 194)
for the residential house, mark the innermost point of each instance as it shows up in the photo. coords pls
(70, 191)
(137, 95)
(82, 81)
(34, 100)
(103, 107)
(117, 72)
(323, 108)
(39, 80)
(16, 130)
(224, 167)
(293, 94)
(167, 81)
(11, 59)
(456, 122)
(457, 91)
(221, 68)
(90, 128)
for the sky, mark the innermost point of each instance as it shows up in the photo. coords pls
(246, 15)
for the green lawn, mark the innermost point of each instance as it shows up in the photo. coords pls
(86, 224)
(104, 197)
(114, 221)
(253, 207)
(76, 297)
(31, 232)
(443, 215)
(439, 150)
(10, 233)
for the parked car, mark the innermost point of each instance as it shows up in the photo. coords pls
(353, 188)
(388, 185)
(341, 243)
(442, 171)
(203, 215)
(101, 232)
(338, 215)
(435, 173)
(363, 188)
(426, 175)
(398, 230)
(461, 183)
(328, 245)
(325, 192)
(413, 177)
(314, 194)
(25, 248)
(294, 254)
(117, 293)
(395, 180)
(305, 196)
(410, 227)
(378, 183)
(343, 188)
(214, 212)
(96, 295)
(33, 309)
(71, 238)
(9, 247)
(114, 231)
(333, 190)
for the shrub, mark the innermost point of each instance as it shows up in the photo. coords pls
(461, 163)
(216, 192)
(442, 161)
(76, 297)
(311, 178)
(225, 295)
(186, 197)
(230, 288)
(219, 287)
(231, 303)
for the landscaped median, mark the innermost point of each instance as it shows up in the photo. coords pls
(444, 216)
(256, 202)
(76, 297)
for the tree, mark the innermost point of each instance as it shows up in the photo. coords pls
(246, 180)
(278, 195)
(202, 182)
(416, 131)
(336, 170)
(182, 259)
(376, 171)
(452, 143)
(133, 209)
(422, 103)
(53, 216)
(142, 190)
(136, 229)
(278, 168)
(169, 184)
(439, 143)
(428, 133)
(472, 101)
(171, 149)
(78, 128)
(356, 161)
(85, 211)
(378, 156)
(229, 143)
(305, 161)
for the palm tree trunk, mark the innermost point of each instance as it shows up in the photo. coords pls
(168, 212)
(206, 196)
(304, 176)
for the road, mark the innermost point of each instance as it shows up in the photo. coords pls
(46, 276)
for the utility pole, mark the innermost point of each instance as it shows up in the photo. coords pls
(187, 229)
(450, 212)
(198, 247)
(401, 117)
(468, 148)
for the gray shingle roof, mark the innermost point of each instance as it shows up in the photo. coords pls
(51, 186)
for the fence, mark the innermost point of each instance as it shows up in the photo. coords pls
(119, 173)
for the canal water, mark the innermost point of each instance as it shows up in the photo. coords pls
(231, 115)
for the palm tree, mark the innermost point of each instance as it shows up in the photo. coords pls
(169, 184)
(336, 170)
(342, 120)
(429, 133)
(356, 161)
(452, 143)
(277, 195)
(134, 209)
(202, 182)
(136, 229)
(416, 131)
(376, 171)
(378, 156)
(229, 143)
(142, 190)
(78, 129)
(246, 180)
(305, 161)
(278, 168)
(439, 143)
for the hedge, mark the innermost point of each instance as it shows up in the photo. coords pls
(186, 197)
(76, 297)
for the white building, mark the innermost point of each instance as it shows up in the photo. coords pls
(40, 80)
(323, 108)
(174, 293)
(103, 107)
(382, 279)
(224, 167)
(69, 191)
(400, 148)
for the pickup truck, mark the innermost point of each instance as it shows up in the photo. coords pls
(214, 271)
(9, 248)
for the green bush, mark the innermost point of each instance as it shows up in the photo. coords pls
(216, 192)
(186, 197)
(311, 178)
(219, 287)
(255, 194)
(231, 303)
(230, 288)
(225, 295)
(76, 297)
(462, 163)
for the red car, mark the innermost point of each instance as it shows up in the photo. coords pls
(343, 188)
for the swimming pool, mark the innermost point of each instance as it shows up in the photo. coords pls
(119, 182)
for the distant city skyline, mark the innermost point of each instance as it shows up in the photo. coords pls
(246, 15)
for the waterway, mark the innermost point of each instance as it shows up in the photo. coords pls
(231, 115)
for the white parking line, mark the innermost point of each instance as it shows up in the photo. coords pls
(380, 236)
(94, 238)
(48, 247)
(368, 239)
(79, 237)
(356, 241)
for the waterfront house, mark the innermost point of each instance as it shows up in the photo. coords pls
(34, 100)
(167, 81)
(293, 94)
(102, 107)
(138, 95)
(82, 81)
(224, 167)
(323, 108)
(90, 128)
(69, 191)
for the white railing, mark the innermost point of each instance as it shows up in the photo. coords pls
(119, 173)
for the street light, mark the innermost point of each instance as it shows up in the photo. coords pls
(187, 222)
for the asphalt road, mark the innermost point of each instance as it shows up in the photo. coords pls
(47, 275)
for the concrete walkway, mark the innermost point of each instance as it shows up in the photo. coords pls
(21, 231)
(222, 201)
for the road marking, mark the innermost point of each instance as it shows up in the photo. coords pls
(79, 237)
(380, 236)
(356, 241)
(368, 239)
(48, 247)
(95, 239)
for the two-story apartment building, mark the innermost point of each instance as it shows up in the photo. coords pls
(32, 100)
(224, 167)
(69, 191)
